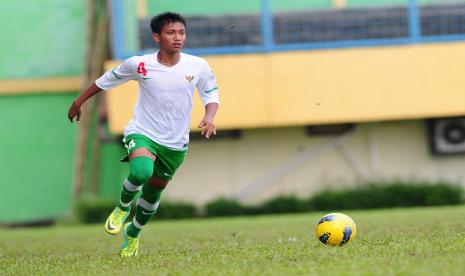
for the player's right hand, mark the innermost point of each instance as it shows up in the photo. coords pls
(74, 111)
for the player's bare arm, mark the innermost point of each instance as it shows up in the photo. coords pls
(75, 108)
(206, 124)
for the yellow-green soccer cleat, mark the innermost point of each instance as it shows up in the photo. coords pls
(130, 246)
(115, 221)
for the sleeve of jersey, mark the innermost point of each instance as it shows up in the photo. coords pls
(208, 89)
(116, 76)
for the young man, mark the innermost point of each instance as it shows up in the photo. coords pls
(157, 136)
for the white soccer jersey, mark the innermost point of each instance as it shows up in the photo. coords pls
(164, 103)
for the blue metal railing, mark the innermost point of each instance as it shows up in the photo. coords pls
(403, 25)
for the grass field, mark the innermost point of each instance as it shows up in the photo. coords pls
(426, 241)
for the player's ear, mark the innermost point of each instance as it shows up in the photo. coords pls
(156, 37)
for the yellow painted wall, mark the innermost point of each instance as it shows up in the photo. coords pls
(327, 86)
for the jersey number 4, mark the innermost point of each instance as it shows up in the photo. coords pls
(141, 69)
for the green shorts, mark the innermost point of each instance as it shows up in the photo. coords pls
(168, 159)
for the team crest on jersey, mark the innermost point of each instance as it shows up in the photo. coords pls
(189, 78)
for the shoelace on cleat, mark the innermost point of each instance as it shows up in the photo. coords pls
(132, 244)
(119, 215)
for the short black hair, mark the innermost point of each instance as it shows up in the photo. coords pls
(158, 22)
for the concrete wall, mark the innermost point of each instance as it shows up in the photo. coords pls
(389, 150)
(42, 38)
(271, 97)
(227, 6)
(253, 6)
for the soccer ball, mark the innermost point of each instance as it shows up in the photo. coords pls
(335, 229)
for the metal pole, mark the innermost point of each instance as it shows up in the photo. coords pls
(414, 21)
(117, 29)
(267, 25)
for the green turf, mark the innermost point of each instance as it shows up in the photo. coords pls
(429, 241)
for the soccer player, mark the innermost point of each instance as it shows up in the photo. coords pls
(157, 136)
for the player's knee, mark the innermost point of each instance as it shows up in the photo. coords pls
(140, 170)
(141, 174)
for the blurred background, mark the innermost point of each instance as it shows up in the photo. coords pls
(315, 95)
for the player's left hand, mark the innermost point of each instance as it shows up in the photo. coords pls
(208, 127)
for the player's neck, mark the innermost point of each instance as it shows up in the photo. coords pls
(168, 59)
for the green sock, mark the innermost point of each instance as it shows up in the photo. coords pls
(147, 206)
(140, 170)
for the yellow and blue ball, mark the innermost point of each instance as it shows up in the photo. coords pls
(335, 229)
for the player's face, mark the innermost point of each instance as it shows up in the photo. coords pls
(171, 37)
